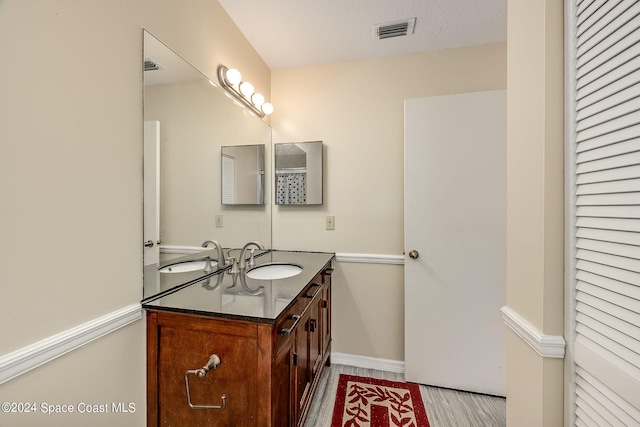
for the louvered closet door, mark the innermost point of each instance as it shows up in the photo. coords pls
(606, 345)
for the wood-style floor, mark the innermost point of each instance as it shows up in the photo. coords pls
(445, 408)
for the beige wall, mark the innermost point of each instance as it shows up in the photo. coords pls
(357, 110)
(535, 206)
(109, 370)
(71, 180)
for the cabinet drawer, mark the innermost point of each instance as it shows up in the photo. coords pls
(314, 288)
(289, 319)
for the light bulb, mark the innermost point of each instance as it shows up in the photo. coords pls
(246, 89)
(233, 76)
(267, 108)
(257, 99)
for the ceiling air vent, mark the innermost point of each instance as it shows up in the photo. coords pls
(151, 65)
(388, 30)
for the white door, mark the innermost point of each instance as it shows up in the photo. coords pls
(455, 224)
(603, 172)
(151, 192)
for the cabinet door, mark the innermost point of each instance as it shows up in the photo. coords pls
(325, 316)
(315, 336)
(282, 386)
(302, 366)
(181, 348)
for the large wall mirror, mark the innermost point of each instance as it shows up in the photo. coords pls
(298, 174)
(190, 120)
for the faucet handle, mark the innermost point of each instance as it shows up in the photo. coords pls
(223, 261)
(252, 261)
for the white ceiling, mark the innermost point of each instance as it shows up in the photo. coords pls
(292, 33)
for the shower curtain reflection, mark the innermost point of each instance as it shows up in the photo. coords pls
(291, 187)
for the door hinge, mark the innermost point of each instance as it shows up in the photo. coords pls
(313, 324)
(294, 359)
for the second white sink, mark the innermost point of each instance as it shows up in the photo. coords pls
(274, 271)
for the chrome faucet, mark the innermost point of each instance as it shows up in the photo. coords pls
(243, 262)
(221, 261)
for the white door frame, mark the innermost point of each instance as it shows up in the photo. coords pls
(570, 213)
(151, 225)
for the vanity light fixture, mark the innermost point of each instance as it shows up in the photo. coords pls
(267, 108)
(246, 89)
(231, 81)
(258, 100)
(233, 76)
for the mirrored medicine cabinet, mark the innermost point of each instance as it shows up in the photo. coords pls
(298, 173)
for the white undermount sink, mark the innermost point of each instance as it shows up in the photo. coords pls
(274, 271)
(186, 266)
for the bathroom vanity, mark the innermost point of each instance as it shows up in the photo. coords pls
(229, 350)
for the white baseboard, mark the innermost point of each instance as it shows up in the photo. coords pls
(545, 345)
(357, 361)
(41, 352)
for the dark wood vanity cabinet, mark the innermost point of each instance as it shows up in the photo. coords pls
(267, 374)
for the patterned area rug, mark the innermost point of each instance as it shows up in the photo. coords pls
(370, 402)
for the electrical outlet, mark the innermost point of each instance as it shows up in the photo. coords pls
(219, 221)
(330, 222)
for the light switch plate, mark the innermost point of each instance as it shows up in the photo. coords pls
(219, 221)
(330, 222)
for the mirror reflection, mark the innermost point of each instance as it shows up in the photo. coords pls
(298, 173)
(243, 175)
(192, 120)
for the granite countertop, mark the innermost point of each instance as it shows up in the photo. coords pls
(156, 284)
(217, 295)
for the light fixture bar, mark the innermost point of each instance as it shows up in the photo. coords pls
(222, 70)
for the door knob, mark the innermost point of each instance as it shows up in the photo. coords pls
(414, 254)
(148, 244)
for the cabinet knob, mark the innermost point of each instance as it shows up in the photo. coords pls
(414, 254)
(148, 244)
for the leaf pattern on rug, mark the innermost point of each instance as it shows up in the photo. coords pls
(361, 396)
(357, 414)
